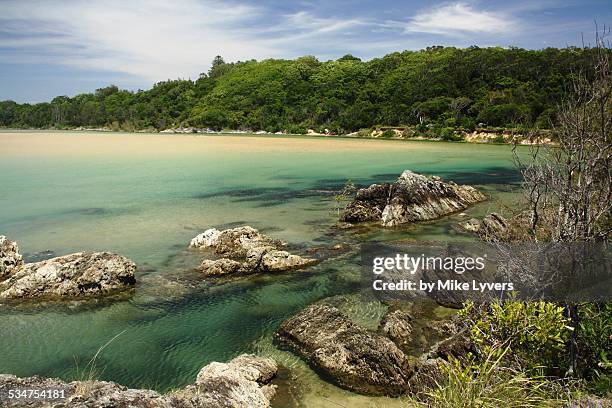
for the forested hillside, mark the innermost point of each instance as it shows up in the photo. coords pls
(436, 87)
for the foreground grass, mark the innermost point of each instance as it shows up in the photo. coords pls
(491, 385)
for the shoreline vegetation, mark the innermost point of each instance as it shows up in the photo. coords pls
(437, 92)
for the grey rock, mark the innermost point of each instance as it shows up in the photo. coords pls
(395, 324)
(10, 259)
(473, 225)
(277, 261)
(78, 275)
(590, 401)
(353, 356)
(493, 226)
(245, 250)
(233, 242)
(428, 373)
(244, 382)
(412, 198)
(221, 267)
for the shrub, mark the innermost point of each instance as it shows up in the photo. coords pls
(594, 340)
(448, 134)
(387, 134)
(488, 384)
(535, 332)
(297, 129)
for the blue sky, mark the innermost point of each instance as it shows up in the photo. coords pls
(63, 47)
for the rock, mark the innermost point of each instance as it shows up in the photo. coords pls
(412, 198)
(493, 226)
(244, 382)
(79, 275)
(473, 225)
(590, 401)
(354, 357)
(245, 250)
(10, 259)
(220, 267)
(206, 239)
(240, 383)
(457, 346)
(395, 324)
(441, 328)
(427, 375)
(276, 261)
(234, 242)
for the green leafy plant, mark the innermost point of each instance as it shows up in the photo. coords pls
(448, 134)
(535, 332)
(594, 342)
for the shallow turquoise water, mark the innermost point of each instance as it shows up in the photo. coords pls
(60, 194)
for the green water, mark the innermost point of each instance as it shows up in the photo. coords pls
(59, 195)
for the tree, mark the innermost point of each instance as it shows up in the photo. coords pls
(569, 190)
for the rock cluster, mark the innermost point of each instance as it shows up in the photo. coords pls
(368, 362)
(354, 357)
(78, 275)
(244, 250)
(412, 198)
(244, 382)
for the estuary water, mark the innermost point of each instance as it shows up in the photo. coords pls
(146, 195)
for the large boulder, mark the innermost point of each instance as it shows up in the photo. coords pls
(78, 275)
(10, 259)
(244, 250)
(354, 357)
(244, 382)
(412, 198)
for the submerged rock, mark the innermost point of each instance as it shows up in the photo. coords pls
(78, 275)
(244, 382)
(412, 198)
(353, 356)
(245, 250)
(10, 259)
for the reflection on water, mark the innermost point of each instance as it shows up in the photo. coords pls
(146, 196)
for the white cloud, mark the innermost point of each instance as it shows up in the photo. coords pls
(152, 40)
(451, 19)
(304, 20)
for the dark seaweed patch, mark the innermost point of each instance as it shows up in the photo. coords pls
(490, 175)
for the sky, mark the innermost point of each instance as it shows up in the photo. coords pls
(65, 47)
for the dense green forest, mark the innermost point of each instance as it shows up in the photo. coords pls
(435, 87)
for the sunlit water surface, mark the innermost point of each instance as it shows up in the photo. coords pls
(146, 196)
